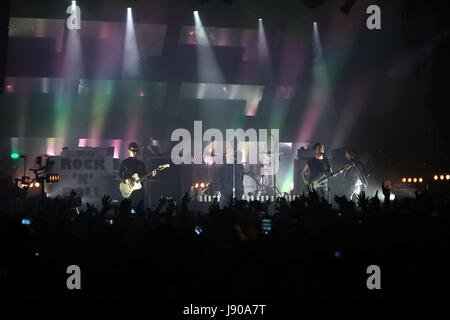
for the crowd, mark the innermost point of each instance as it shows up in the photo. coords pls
(305, 250)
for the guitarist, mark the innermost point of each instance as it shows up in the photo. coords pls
(317, 167)
(355, 179)
(130, 166)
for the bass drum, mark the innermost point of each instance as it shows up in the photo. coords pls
(250, 185)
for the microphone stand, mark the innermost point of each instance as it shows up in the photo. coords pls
(234, 174)
(276, 192)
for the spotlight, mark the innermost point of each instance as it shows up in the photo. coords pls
(441, 177)
(404, 180)
(420, 180)
(202, 185)
(37, 184)
(196, 185)
(195, 12)
(260, 19)
(447, 177)
(415, 180)
(409, 180)
(436, 177)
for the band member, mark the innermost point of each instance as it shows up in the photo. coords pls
(152, 147)
(130, 166)
(231, 176)
(355, 180)
(317, 167)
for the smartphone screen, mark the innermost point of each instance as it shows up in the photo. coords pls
(266, 225)
(26, 221)
(198, 230)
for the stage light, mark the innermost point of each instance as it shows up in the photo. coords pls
(37, 184)
(202, 185)
(52, 177)
(441, 177)
(320, 90)
(436, 177)
(447, 177)
(420, 180)
(260, 19)
(131, 64)
(404, 180)
(15, 155)
(196, 185)
(415, 180)
(409, 180)
(208, 69)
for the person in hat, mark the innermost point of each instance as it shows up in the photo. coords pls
(130, 166)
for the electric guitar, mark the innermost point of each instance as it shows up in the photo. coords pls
(126, 189)
(320, 182)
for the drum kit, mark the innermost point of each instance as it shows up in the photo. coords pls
(260, 179)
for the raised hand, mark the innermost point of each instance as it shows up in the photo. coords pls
(106, 202)
(362, 200)
(376, 200)
(386, 192)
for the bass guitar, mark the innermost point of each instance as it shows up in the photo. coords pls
(320, 182)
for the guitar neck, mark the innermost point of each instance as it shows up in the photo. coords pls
(333, 174)
(150, 173)
(145, 177)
